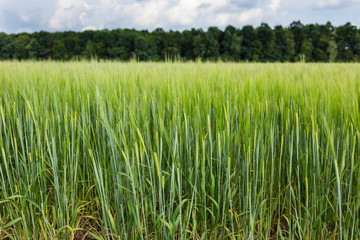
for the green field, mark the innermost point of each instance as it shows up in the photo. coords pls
(108, 150)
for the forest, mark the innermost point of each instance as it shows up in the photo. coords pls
(296, 42)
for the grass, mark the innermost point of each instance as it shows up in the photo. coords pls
(172, 150)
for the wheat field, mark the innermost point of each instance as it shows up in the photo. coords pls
(110, 150)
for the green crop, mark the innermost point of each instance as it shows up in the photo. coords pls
(108, 150)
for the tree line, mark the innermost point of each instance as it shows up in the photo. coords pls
(296, 42)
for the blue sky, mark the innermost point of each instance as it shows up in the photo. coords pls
(59, 15)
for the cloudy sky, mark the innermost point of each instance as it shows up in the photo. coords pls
(59, 15)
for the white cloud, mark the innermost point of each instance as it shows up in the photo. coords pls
(146, 13)
(93, 28)
(84, 14)
(335, 3)
(251, 16)
(186, 12)
(221, 19)
(25, 18)
(274, 5)
(69, 14)
(35, 15)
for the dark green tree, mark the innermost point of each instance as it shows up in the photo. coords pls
(59, 50)
(90, 50)
(7, 47)
(284, 44)
(296, 28)
(332, 50)
(305, 51)
(266, 37)
(311, 42)
(348, 42)
(249, 43)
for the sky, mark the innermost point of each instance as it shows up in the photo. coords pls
(79, 15)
